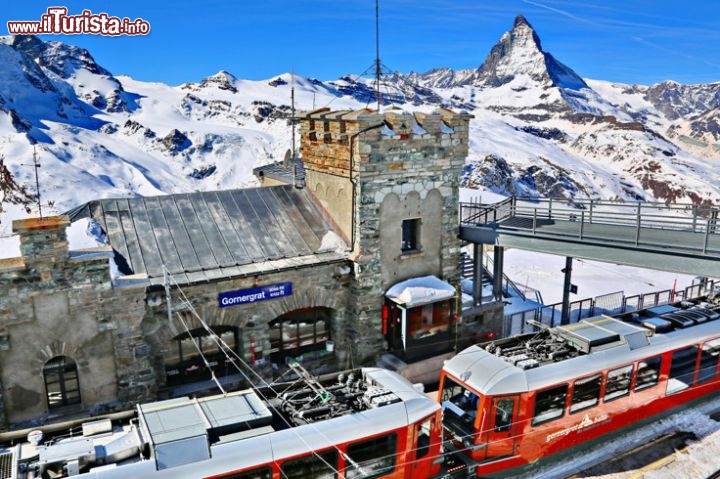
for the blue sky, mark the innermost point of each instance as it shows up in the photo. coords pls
(631, 41)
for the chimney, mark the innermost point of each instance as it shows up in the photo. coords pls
(43, 239)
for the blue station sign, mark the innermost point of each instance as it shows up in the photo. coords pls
(251, 295)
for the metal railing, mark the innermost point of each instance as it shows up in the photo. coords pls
(640, 216)
(479, 213)
(610, 304)
(467, 270)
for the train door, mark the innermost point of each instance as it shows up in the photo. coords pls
(503, 426)
(394, 326)
(421, 464)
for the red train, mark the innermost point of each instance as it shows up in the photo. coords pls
(502, 408)
(365, 423)
(512, 404)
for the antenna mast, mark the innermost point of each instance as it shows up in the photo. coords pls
(36, 165)
(292, 123)
(378, 66)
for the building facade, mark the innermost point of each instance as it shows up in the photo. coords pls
(212, 288)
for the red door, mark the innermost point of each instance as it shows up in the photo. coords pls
(421, 464)
(503, 426)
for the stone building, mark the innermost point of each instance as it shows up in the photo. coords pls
(357, 258)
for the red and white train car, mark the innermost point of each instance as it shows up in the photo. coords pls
(514, 403)
(369, 423)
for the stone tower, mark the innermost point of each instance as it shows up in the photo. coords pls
(390, 182)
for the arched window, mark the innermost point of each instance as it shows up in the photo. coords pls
(299, 332)
(61, 382)
(184, 364)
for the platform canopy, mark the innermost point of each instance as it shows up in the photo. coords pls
(419, 291)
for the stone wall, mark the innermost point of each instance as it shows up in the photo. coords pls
(59, 303)
(398, 166)
(314, 286)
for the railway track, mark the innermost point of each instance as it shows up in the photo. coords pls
(638, 462)
(674, 454)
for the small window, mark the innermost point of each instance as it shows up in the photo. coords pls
(682, 369)
(323, 465)
(257, 473)
(586, 393)
(618, 383)
(61, 382)
(410, 235)
(186, 355)
(504, 414)
(648, 373)
(550, 404)
(374, 458)
(300, 332)
(709, 361)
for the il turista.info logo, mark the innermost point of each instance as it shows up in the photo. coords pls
(56, 21)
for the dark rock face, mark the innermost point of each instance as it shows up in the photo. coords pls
(175, 142)
(10, 190)
(65, 60)
(132, 127)
(675, 100)
(264, 110)
(201, 173)
(222, 80)
(544, 179)
(396, 89)
(545, 133)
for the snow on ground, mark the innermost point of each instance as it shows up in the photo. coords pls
(542, 272)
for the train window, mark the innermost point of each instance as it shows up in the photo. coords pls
(503, 414)
(422, 433)
(549, 404)
(318, 465)
(682, 369)
(372, 458)
(461, 401)
(618, 382)
(257, 473)
(708, 361)
(586, 393)
(648, 372)
(430, 319)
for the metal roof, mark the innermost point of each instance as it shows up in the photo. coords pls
(283, 172)
(215, 234)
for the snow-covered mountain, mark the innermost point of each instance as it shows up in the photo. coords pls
(539, 127)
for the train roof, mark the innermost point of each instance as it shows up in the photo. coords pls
(538, 360)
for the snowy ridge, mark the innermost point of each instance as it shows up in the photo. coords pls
(539, 128)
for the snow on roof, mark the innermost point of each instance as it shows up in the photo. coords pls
(418, 291)
(85, 233)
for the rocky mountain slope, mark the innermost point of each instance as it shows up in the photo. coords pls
(539, 127)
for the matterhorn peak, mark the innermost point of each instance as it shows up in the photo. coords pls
(519, 52)
(520, 20)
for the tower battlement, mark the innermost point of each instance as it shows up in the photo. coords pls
(328, 138)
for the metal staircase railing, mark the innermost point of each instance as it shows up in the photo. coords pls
(467, 271)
